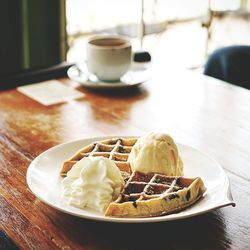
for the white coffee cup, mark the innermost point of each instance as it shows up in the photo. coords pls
(108, 56)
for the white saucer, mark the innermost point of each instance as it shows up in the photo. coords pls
(134, 77)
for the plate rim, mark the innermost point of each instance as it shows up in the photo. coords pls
(226, 202)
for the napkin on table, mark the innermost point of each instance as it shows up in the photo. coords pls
(50, 92)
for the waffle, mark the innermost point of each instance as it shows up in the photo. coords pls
(116, 149)
(146, 195)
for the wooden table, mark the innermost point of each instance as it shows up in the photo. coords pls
(195, 110)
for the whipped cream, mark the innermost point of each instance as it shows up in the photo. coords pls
(92, 182)
(156, 152)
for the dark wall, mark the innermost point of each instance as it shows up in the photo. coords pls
(10, 37)
(32, 34)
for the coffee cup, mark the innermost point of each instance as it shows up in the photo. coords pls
(108, 56)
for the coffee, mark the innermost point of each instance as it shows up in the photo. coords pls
(108, 42)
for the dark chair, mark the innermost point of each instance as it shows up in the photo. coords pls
(230, 64)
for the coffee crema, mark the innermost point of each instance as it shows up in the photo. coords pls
(108, 42)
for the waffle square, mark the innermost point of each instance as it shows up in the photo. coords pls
(116, 149)
(152, 194)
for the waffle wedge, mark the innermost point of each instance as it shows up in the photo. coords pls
(116, 149)
(146, 195)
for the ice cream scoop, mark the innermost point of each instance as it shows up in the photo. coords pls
(156, 152)
(92, 182)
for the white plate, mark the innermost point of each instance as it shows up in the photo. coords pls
(134, 77)
(44, 181)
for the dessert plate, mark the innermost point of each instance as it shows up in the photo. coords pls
(134, 77)
(44, 180)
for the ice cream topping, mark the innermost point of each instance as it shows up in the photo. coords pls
(158, 153)
(92, 182)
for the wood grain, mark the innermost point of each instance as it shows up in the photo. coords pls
(195, 110)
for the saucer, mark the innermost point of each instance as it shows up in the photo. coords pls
(133, 78)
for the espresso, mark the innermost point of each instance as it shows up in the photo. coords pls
(108, 42)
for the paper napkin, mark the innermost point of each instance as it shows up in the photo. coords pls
(50, 92)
